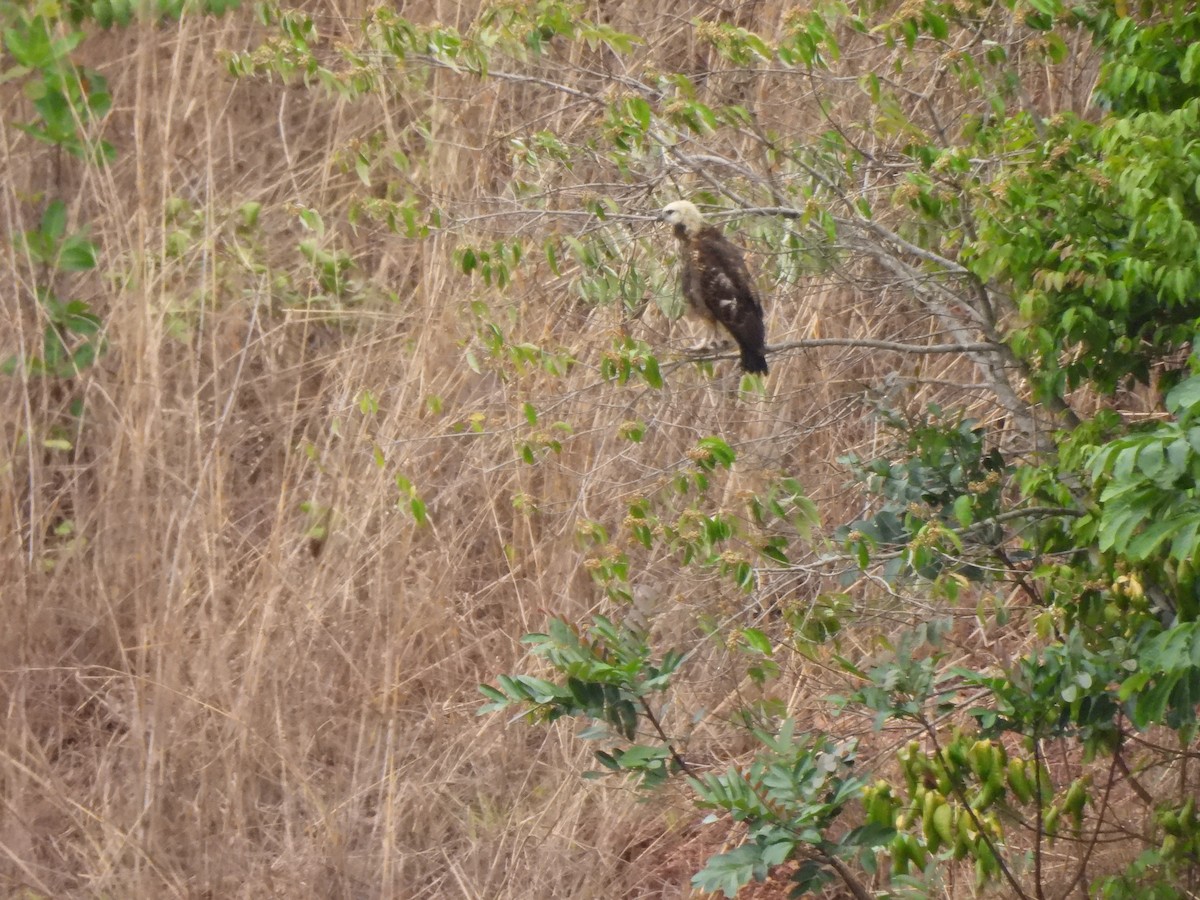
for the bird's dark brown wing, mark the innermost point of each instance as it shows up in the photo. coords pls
(725, 275)
(726, 290)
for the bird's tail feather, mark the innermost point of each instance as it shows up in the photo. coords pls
(754, 361)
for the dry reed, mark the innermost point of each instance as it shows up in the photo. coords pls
(233, 663)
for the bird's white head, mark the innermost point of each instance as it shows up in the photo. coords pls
(683, 216)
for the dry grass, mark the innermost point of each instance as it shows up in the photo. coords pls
(233, 665)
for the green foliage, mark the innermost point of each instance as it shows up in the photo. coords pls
(510, 359)
(1065, 689)
(1146, 511)
(907, 677)
(1157, 872)
(1093, 229)
(679, 519)
(631, 359)
(608, 267)
(789, 797)
(69, 102)
(495, 265)
(67, 98)
(608, 680)
(1166, 685)
(940, 499)
(411, 499)
(72, 336)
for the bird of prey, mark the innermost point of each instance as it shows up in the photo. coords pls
(716, 283)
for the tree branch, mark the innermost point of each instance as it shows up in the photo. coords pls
(873, 344)
(863, 343)
(852, 883)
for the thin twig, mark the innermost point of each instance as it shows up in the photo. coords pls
(679, 760)
(1087, 854)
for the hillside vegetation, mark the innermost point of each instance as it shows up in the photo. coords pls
(344, 373)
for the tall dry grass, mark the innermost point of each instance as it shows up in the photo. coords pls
(232, 665)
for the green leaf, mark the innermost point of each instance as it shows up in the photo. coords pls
(937, 26)
(312, 220)
(608, 761)
(78, 254)
(1189, 69)
(54, 220)
(78, 319)
(499, 699)
(417, 505)
(722, 453)
(775, 554)
(1185, 396)
(639, 756)
(1150, 706)
(729, 872)
(777, 852)
(873, 834)
(964, 510)
(757, 641)
(1183, 545)
(1054, 47)
(652, 372)
(1133, 685)
(640, 110)
(1146, 543)
(248, 214)
(743, 574)
(1178, 453)
(84, 356)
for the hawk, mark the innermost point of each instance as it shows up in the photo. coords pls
(716, 283)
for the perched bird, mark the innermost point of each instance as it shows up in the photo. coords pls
(716, 283)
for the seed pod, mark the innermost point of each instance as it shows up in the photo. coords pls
(930, 802)
(986, 866)
(958, 754)
(1045, 784)
(911, 759)
(1050, 821)
(962, 845)
(1169, 820)
(1018, 780)
(981, 758)
(987, 795)
(916, 852)
(943, 823)
(1074, 802)
(933, 840)
(944, 784)
(881, 805)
